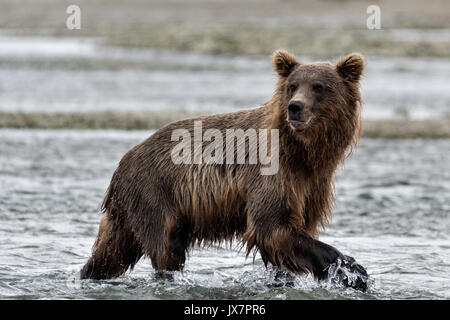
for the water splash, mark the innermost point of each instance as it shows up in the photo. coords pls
(347, 272)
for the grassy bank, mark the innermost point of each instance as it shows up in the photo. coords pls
(94, 120)
(263, 41)
(389, 128)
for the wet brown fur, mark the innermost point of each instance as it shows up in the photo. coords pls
(158, 209)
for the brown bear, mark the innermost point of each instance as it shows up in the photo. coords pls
(158, 208)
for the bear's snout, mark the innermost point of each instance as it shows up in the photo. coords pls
(295, 108)
(298, 115)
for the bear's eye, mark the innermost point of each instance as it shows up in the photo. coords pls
(318, 88)
(292, 88)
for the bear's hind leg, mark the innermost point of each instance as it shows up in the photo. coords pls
(115, 250)
(173, 256)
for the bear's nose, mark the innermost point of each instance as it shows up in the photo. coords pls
(294, 109)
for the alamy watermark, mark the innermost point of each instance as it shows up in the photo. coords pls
(374, 19)
(73, 21)
(235, 147)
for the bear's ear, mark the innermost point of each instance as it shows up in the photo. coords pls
(284, 62)
(351, 67)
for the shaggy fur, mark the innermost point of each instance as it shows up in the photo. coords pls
(158, 209)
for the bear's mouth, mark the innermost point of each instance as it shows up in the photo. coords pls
(300, 125)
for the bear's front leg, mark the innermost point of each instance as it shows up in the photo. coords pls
(282, 242)
(300, 253)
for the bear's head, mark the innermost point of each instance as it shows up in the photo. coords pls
(320, 100)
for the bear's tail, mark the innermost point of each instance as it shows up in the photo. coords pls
(115, 250)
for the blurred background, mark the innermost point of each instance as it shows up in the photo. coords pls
(66, 97)
(200, 56)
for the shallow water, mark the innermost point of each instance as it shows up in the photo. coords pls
(59, 74)
(392, 215)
